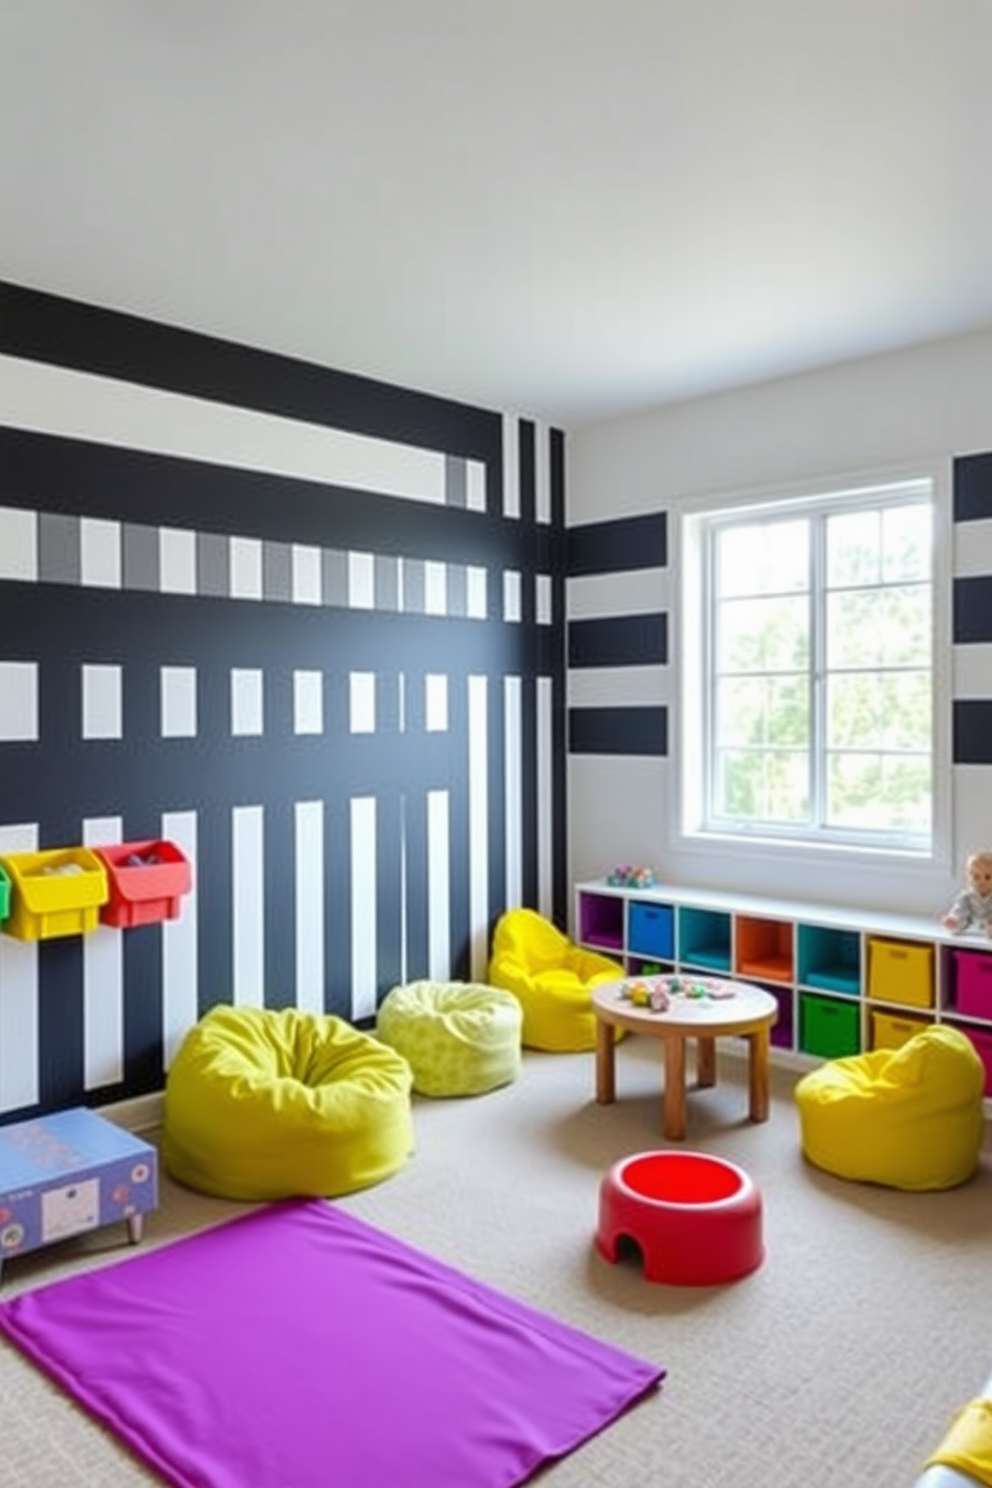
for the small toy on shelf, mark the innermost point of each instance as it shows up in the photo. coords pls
(623, 876)
(972, 907)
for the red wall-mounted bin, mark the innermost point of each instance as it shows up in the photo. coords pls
(146, 881)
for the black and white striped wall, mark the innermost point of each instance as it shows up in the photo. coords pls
(310, 627)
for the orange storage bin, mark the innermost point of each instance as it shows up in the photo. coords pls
(146, 881)
(764, 949)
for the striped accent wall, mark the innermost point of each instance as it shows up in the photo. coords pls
(618, 603)
(308, 626)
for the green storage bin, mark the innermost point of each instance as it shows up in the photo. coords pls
(4, 894)
(828, 1028)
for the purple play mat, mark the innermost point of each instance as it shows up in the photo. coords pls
(298, 1347)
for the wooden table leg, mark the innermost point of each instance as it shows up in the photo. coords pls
(606, 1065)
(759, 1044)
(673, 1106)
(705, 1062)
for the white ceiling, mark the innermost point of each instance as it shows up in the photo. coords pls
(568, 208)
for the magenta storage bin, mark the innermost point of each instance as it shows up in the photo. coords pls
(973, 983)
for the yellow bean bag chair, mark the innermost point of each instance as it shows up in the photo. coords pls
(909, 1117)
(459, 1038)
(552, 978)
(264, 1105)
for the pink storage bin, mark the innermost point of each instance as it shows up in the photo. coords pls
(973, 983)
(983, 1044)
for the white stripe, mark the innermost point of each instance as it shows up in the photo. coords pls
(176, 561)
(102, 702)
(435, 588)
(247, 701)
(476, 593)
(19, 1041)
(973, 671)
(543, 602)
(644, 591)
(361, 702)
(542, 473)
(179, 943)
(309, 879)
(306, 575)
(18, 701)
(619, 687)
(248, 904)
(545, 814)
(82, 406)
(246, 567)
(178, 699)
(103, 983)
(478, 823)
(512, 596)
(18, 544)
(438, 887)
(363, 907)
(100, 553)
(972, 548)
(511, 466)
(435, 703)
(513, 788)
(475, 485)
(308, 702)
(361, 581)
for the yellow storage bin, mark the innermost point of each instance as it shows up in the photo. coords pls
(889, 1031)
(899, 971)
(57, 892)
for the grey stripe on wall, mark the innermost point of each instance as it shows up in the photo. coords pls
(972, 730)
(972, 600)
(972, 488)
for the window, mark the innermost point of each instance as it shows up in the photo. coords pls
(808, 684)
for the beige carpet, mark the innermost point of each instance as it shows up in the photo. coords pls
(839, 1362)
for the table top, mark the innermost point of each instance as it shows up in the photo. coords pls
(700, 1006)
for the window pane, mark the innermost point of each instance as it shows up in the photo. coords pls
(763, 710)
(906, 711)
(905, 620)
(879, 792)
(854, 549)
(763, 635)
(854, 711)
(762, 786)
(854, 629)
(906, 543)
(762, 558)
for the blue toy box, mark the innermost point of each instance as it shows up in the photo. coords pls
(73, 1171)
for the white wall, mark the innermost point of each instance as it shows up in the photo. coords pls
(926, 403)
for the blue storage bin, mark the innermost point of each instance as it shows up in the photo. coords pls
(651, 930)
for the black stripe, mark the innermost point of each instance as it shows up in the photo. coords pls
(417, 907)
(561, 893)
(621, 640)
(60, 1016)
(143, 998)
(973, 488)
(972, 731)
(279, 883)
(388, 892)
(619, 731)
(337, 906)
(618, 546)
(66, 333)
(972, 601)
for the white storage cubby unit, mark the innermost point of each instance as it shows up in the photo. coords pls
(846, 980)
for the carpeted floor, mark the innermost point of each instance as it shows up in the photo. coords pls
(840, 1361)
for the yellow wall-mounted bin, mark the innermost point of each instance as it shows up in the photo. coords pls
(57, 892)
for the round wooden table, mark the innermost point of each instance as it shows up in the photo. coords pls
(736, 1010)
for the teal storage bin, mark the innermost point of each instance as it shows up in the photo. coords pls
(4, 894)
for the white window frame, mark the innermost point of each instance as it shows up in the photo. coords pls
(689, 837)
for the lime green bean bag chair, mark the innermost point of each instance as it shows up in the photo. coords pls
(459, 1038)
(908, 1118)
(264, 1105)
(552, 978)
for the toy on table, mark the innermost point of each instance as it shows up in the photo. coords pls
(657, 992)
(972, 907)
